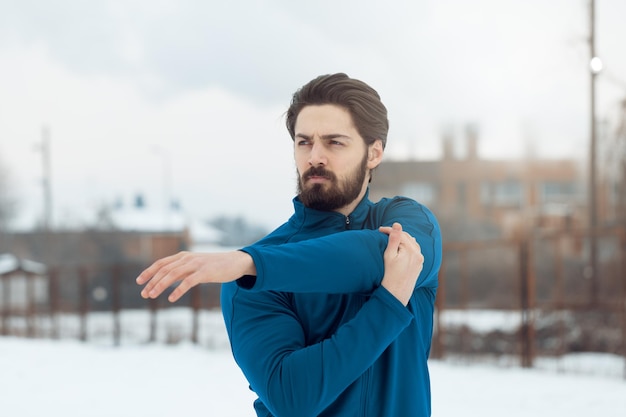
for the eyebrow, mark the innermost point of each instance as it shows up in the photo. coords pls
(330, 136)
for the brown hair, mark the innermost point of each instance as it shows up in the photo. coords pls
(369, 114)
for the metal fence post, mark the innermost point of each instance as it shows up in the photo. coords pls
(84, 302)
(440, 301)
(53, 293)
(622, 273)
(195, 307)
(115, 303)
(4, 286)
(153, 305)
(527, 303)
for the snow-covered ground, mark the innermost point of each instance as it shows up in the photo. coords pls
(72, 379)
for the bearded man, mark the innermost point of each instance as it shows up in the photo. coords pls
(331, 314)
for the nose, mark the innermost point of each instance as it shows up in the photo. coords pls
(317, 156)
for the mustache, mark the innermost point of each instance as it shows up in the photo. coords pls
(318, 172)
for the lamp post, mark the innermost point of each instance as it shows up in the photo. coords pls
(46, 181)
(595, 66)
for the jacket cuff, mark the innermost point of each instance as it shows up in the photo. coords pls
(393, 303)
(251, 282)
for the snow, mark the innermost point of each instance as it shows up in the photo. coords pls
(148, 220)
(71, 379)
(10, 263)
(487, 391)
(482, 321)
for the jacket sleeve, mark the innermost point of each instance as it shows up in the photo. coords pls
(349, 261)
(289, 377)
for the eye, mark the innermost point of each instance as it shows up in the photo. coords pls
(303, 142)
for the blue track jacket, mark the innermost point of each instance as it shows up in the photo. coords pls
(316, 334)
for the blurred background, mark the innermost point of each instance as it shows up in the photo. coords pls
(131, 130)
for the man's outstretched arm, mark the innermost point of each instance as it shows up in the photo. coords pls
(191, 269)
(346, 262)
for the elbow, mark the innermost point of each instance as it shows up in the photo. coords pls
(290, 412)
(288, 399)
(289, 407)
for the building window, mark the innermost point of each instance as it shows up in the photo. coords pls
(558, 192)
(508, 193)
(486, 193)
(422, 192)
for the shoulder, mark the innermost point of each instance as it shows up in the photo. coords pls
(406, 211)
(401, 203)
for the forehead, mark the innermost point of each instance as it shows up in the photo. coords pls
(324, 119)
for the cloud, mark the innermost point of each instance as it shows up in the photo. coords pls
(206, 82)
(218, 149)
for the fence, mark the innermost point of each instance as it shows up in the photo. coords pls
(541, 287)
(518, 298)
(85, 292)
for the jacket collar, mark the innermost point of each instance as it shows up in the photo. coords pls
(306, 217)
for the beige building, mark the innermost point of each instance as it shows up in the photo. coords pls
(504, 196)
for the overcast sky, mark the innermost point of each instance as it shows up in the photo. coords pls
(186, 98)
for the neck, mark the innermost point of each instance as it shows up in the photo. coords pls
(348, 209)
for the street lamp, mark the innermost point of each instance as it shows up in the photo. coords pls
(595, 66)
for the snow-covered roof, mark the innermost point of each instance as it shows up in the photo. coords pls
(10, 263)
(146, 220)
(202, 233)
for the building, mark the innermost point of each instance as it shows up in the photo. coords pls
(23, 289)
(23, 283)
(476, 198)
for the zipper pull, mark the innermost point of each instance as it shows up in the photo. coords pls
(347, 221)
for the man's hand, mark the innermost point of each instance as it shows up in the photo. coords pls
(403, 263)
(191, 269)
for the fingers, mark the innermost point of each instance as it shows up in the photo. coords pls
(184, 286)
(387, 230)
(395, 238)
(149, 272)
(162, 274)
(401, 243)
(398, 239)
(190, 269)
(403, 263)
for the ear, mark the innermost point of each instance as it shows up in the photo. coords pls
(375, 154)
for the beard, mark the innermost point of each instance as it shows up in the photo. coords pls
(335, 194)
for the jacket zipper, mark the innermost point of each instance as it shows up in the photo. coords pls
(347, 222)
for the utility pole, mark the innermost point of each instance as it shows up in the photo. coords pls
(595, 66)
(46, 180)
(166, 162)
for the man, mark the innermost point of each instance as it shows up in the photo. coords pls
(331, 314)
